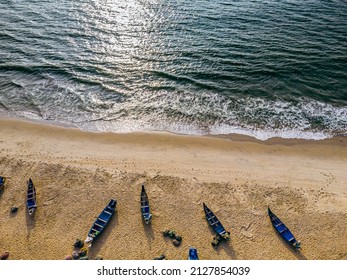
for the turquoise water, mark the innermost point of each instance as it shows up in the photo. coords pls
(261, 68)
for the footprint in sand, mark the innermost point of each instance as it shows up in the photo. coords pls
(247, 230)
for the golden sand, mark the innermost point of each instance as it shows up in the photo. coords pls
(76, 174)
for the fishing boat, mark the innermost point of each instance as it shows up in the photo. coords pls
(31, 198)
(193, 254)
(145, 210)
(101, 222)
(2, 183)
(283, 230)
(215, 223)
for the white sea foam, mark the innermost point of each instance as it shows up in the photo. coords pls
(271, 119)
(267, 134)
(195, 114)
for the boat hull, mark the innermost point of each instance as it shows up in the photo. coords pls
(31, 198)
(215, 223)
(193, 254)
(283, 230)
(145, 209)
(101, 222)
(2, 183)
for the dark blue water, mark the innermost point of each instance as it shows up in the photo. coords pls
(262, 68)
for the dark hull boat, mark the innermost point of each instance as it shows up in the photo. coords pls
(101, 222)
(2, 182)
(215, 223)
(193, 254)
(145, 210)
(283, 230)
(31, 198)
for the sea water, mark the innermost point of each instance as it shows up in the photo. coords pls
(261, 68)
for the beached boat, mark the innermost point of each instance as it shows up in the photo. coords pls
(145, 210)
(283, 230)
(193, 254)
(215, 223)
(101, 222)
(2, 182)
(31, 198)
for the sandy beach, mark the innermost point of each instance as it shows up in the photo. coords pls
(76, 173)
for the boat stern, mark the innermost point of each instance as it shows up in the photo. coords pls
(89, 240)
(226, 235)
(147, 218)
(297, 245)
(31, 211)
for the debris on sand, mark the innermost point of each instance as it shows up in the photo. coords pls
(82, 252)
(75, 255)
(78, 244)
(216, 240)
(161, 257)
(4, 255)
(172, 234)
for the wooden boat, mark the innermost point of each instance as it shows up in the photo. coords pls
(31, 198)
(283, 230)
(215, 223)
(101, 222)
(145, 210)
(193, 254)
(2, 183)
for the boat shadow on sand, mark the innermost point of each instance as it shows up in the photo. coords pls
(101, 240)
(228, 248)
(295, 252)
(30, 221)
(224, 245)
(149, 232)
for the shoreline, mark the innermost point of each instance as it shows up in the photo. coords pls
(231, 136)
(77, 172)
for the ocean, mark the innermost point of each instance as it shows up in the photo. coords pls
(260, 68)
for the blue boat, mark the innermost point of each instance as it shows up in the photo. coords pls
(2, 183)
(193, 254)
(31, 198)
(145, 210)
(101, 222)
(283, 230)
(215, 223)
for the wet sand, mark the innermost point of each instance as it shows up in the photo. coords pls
(76, 173)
